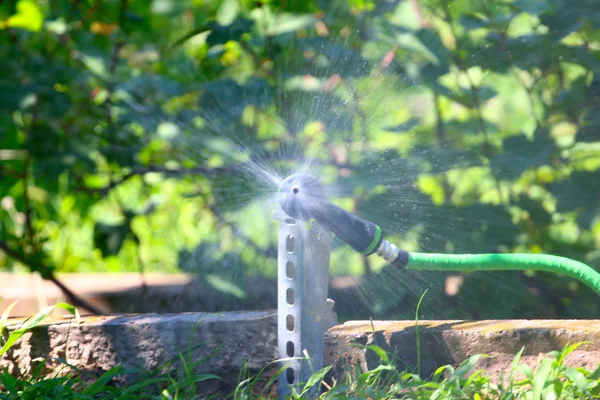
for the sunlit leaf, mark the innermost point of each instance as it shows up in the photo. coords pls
(29, 16)
(407, 126)
(285, 23)
(316, 378)
(224, 286)
(541, 379)
(33, 322)
(227, 12)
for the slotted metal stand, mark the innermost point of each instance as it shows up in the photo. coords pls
(304, 312)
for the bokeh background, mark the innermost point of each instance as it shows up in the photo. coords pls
(145, 139)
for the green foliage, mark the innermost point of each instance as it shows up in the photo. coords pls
(29, 324)
(551, 379)
(131, 135)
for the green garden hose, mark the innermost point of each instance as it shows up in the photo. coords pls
(301, 196)
(505, 262)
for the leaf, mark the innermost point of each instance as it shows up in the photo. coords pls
(515, 365)
(532, 51)
(71, 309)
(373, 373)
(228, 11)
(578, 379)
(224, 286)
(568, 350)
(590, 126)
(563, 21)
(384, 7)
(380, 352)
(404, 127)
(538, 215)
(284, 23)
(466, 366)
(438, 372)
(99, 385)
(519, 154)
(206, 377)
(527, 371)
(34, 322)
(316, 378)
(578, 192)
(5, 316)
(465, 96)
(96, 65)
(540, 380)
(29, 17)
(470, 127)
(222, 34)
(167, 130)
(596, 374)
(438, 54)
(535, 7)
(9, 382)
(472, 22)
(485, 55)
(110, 238)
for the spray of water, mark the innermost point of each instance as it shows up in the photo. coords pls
(245, 138)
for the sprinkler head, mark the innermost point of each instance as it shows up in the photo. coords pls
(300, 195)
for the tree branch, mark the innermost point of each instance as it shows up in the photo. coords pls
(73, 298)
(135, 171)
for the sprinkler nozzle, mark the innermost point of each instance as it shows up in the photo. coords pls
(301, 196)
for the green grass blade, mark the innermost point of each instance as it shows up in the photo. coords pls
(380, 352)
(206, 377)
(418, 337)
(9, 382)
(568, 350)
(317, 377)
(466, 366)
(71, 309)
(100, 384)
(33, 322)
(5, 315)
(540, 380)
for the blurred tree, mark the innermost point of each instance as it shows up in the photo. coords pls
(132, 137)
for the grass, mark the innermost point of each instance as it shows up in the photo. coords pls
(551, 379)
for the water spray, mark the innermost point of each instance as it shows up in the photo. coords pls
(301, 196)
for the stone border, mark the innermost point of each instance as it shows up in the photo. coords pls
(233, 338)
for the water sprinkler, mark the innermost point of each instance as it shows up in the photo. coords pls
(301, 196)
(305, 314)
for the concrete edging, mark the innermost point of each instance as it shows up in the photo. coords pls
(150, 340)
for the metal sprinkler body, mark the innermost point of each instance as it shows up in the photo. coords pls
(304, 312)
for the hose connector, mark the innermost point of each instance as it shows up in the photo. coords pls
(392, 254)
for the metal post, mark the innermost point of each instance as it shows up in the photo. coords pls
(304, 312)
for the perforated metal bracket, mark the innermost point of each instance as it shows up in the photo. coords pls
(304, 312)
